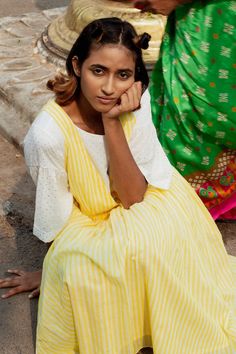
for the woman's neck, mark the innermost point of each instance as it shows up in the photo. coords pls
(84, 116)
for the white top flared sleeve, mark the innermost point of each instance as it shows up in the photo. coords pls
(44, 155)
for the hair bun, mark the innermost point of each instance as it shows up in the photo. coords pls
(142, 41)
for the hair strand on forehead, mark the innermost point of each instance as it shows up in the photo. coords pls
(98, 32)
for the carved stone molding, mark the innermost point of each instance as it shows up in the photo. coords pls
(57, 39)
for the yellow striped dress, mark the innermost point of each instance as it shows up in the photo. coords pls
(116, 280)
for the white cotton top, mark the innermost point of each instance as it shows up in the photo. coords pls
(44, 155)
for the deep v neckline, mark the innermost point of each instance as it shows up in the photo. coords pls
(75, 129)
(70, 130)
(77, 126)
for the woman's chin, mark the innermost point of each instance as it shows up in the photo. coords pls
(104, 109)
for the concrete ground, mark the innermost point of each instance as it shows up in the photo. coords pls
(20, 7)
(22, 80)
(19, 248)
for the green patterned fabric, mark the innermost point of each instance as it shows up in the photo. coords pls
(193, 94)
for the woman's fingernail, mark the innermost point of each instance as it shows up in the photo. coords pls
(30, 296)
(3, 296)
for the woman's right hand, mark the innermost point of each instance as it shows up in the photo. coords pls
(21, 282)
(163, 7)
(129, 101)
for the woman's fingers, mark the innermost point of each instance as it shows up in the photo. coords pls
(12, 292)
(131, 98)
(138, 93)
(34, 293)
(124, 106)
(132, 93)
(23, 281)
(10, 282)
(163, 7)
(129, 101)
(145, 6)
(16, 271)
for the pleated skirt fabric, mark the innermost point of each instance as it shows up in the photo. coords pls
(156, 275)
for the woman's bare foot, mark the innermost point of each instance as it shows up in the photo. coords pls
(21, 282)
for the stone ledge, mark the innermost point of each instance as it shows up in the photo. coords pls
(23, 72)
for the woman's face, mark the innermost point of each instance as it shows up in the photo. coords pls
(105, 75)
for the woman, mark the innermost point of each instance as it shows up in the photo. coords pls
(194, 97)
(130, 265)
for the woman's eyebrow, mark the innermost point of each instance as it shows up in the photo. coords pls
(98, 66)
(128, 70)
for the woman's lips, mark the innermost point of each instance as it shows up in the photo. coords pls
(106, 100)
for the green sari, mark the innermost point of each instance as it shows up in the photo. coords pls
(193, 94)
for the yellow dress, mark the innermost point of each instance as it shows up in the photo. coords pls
(116, 280)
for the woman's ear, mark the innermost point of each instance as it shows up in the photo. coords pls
(75, 64)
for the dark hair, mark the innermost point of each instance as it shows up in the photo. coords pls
(97, 33)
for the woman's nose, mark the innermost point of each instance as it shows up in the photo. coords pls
(108, 86)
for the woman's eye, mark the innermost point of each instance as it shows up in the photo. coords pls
(98, 71)
(124, 75)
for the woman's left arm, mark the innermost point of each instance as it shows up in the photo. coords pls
(128, 181)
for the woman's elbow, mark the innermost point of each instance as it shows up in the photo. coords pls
(131, 201)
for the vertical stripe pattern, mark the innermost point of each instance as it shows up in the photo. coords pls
(117, 280)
